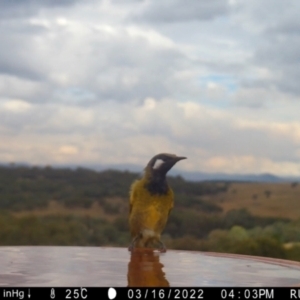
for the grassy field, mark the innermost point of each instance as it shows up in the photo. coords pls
(45, 206)
(261, 199)
(58, 209)
(280, 200)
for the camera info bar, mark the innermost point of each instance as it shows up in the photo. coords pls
(86, 293)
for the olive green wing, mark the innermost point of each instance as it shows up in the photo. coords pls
(171, 201)
(132, 196)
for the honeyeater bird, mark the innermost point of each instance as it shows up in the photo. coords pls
(151, 200)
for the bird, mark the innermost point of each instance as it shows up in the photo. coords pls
(151, 201)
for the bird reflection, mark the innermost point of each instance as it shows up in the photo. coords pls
(145, 269)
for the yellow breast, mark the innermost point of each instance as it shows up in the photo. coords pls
(148, 211)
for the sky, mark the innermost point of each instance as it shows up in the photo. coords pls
(115, 82)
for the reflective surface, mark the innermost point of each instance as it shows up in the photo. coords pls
(93, 266)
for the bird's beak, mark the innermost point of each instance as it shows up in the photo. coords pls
(180, 158)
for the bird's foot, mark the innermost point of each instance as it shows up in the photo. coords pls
(162, 247)
(131, 246)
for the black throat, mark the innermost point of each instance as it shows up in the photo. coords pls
(157, 185)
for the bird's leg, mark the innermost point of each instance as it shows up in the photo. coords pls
(162, 247)
(131, 246)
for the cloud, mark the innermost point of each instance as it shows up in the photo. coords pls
(213, 140)
(16, 106)
(275, 29)
(19, 9)
(176, 10)
(117, 82)
(71, 56)
(68, 150)
(18, 87)
(252, 164)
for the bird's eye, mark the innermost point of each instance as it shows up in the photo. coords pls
(158, 163)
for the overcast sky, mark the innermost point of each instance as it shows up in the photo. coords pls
(116, 82)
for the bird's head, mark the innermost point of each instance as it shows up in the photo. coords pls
(161, 163)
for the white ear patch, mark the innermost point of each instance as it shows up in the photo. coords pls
(158, 163)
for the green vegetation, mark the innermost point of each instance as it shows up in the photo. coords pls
(60, 230)
(29, 188)
(47, 206)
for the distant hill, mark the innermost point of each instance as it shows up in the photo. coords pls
(192, 176)
(201, 176)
